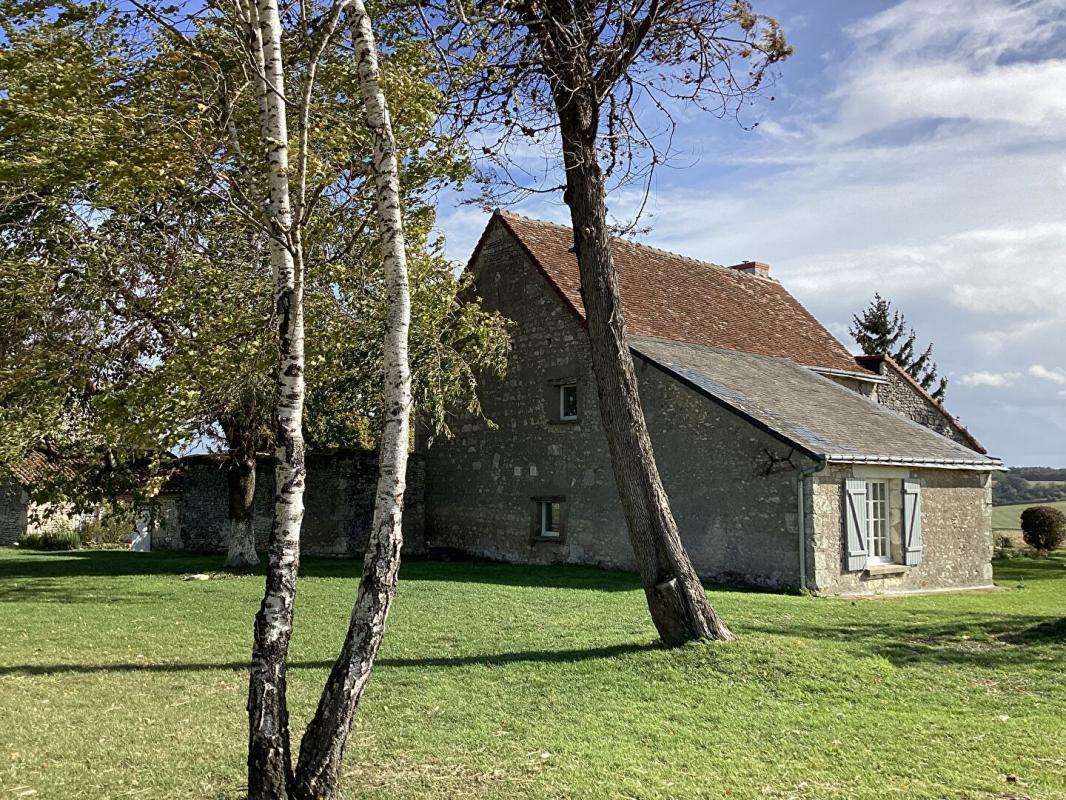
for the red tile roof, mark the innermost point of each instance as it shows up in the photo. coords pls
(36, 466)
(684, 300)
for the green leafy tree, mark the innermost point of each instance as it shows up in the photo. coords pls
(136, 293)
(163, 256)
(882, 330)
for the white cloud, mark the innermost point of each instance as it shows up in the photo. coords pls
(964, 59)
(1054, 375)
(994, 379)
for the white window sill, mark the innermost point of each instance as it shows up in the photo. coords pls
(887, 569)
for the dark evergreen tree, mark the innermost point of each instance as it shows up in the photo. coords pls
(880, 329)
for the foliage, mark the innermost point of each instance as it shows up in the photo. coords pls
(53, 537)
(135, 299)
(881, 330)
(1003, 546)
(1043, 527)
(520, 682)
(1015, 487)
(111, 526)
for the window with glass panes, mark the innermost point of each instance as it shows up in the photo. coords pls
(877, 521)
(551, 518)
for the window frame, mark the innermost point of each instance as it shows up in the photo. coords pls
(563, 416)
(878, 528)
(538, 530)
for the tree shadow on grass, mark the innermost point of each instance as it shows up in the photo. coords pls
(58, 590)
(947, 638)
(481, 660)
(123, 563)
(1010, 571)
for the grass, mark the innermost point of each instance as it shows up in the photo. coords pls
(119, 679)
(1010, 517)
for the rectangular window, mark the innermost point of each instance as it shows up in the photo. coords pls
(877, 522)
(551, 519)
(568, 402)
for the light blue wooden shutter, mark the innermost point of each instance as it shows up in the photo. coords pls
(855, 523)
(912, 522)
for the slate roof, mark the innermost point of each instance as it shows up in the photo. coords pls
(875, 362)
(678, 298)
(806, 409)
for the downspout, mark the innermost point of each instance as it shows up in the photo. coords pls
(802, 517)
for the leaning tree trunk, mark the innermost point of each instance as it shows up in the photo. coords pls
(678, 603)
(269, 756)
(323, 744)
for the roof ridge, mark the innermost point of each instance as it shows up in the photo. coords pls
(638, 245)
(680, 297)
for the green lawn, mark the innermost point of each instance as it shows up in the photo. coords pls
(119, 679)
(1010, 517)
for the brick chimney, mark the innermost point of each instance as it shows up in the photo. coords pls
(753, 268)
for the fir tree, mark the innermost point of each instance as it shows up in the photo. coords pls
(880, 329)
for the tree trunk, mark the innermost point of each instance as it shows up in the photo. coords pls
(240, 483)
(678, 603)
(269, 757)
(323, 744)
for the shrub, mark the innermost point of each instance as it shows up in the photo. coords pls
(111, 528)
(1043, 527)
(56, 538)
(1003, 546)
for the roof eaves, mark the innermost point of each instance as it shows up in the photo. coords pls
(982, 465)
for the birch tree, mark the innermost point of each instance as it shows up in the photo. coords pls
(294, 192)
(322, 748)
(592, 80)
(269, 760)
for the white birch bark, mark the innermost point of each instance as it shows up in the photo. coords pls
(269, 759)
(323, 744)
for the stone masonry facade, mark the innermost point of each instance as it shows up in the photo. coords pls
(900, 394)
(734, 488)
(736, 508)
(956, 531)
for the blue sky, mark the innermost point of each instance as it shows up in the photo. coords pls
(917, 149)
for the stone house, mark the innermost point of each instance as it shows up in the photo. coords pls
(789, 462)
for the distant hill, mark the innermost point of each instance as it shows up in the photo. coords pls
(1029, 485)
(1010, 517)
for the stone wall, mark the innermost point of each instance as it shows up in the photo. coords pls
(899, 395)
(956, 531)
(14, 505)
(738, 523)
(339, 504)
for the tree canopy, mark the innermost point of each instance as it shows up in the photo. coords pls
(882, 330)
(136, 313)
